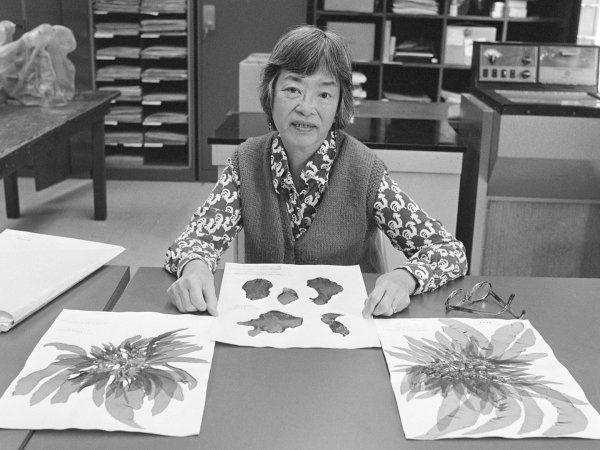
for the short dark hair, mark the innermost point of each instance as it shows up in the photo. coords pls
(304, 50)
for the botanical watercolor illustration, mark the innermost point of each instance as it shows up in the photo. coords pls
(325, 288)
(322, 304)
(287, 296)
(257, 289)
(272, 322)
(485, 382)
(122, 376)
(335, 325)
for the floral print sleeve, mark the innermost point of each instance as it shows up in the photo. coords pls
(212, 228)
(434, 255)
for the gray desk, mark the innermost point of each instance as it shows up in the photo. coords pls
(265, 398)
(99, 291)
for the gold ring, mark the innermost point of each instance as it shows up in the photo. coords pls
(393, 309)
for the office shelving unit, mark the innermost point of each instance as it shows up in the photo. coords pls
(547, 21)
(151, 132)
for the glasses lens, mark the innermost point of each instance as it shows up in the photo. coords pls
(480, 291)
(456, 298)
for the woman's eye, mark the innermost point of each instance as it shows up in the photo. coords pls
(292, 90)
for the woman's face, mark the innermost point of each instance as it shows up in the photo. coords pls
(304, 109)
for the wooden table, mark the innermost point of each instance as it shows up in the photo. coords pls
(98, 292)
(266, 398)
(40, 136)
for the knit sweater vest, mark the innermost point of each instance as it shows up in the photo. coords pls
(343, 231)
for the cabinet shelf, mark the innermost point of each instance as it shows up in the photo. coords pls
(414, 16)
(505, 19)
(548, 21)
(145, 35)
(337, 14)
(411, 64)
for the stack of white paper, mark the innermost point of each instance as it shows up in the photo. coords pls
(36, 268)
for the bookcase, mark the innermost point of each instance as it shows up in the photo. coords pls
(439, 76)
(145, 49)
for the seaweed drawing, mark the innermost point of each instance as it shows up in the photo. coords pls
(121, 377)
(287, 296)
(325, 288)
(477, 377)
(257, 289)
(272, 322)
(334, 325)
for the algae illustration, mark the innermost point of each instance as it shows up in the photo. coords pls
(122, 377)
(325, 288)
(287, 296)
(335, 325)
(490, 378)
(257, 289)
(272, 322)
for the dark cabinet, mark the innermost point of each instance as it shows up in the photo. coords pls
(445, 31)
(145, 49)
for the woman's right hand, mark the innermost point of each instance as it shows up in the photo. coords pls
(195, 289)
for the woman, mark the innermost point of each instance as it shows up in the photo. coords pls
(308, 193)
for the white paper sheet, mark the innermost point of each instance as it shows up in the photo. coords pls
(129, 371)
(473, 378)
(37, 268)
(326, 315)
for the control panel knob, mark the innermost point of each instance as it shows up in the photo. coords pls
(526, 74)
(526, 60)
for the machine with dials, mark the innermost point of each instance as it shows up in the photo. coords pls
(532, 125)
(517, 78)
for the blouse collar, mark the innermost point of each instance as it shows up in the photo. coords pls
(317, 169)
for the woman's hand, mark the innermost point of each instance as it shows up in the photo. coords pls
(195, 289)
(391, 294)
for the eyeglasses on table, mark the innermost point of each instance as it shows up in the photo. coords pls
(460, 300)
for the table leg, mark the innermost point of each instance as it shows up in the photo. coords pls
(11, 194)
(99, 170)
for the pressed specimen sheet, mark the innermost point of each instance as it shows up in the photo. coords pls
(472, 378)
(127, 371)
(281, 305)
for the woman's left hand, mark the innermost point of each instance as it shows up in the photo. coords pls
(391, 294)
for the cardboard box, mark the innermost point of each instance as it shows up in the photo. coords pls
(249, 79)
(360, 37)
(350, 5)
(459, 42)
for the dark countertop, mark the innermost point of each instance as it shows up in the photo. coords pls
(589, 108)
(375, 132)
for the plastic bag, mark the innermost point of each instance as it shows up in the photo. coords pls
(35, 69)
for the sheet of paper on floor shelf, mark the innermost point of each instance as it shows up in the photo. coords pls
(471, 378)
(37, 268)
(115, 371)
(284, 306)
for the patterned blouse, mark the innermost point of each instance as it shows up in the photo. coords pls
(435, 256)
